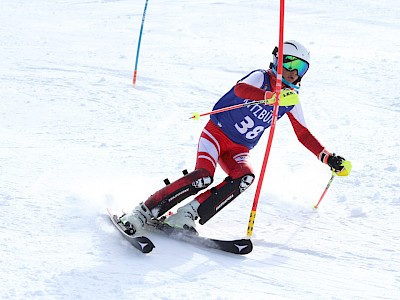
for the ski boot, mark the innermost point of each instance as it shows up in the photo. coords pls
(185, 217)
(134, 221)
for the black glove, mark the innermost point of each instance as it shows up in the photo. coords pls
(335, 162)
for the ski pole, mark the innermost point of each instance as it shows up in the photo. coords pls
(326, 189)
(197, 116)
(139, 42)
(278, 87)
(288, 97)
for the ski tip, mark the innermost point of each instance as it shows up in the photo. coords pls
(111, 211)
(114, 212)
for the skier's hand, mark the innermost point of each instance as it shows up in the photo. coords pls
(339, 165)
(287, 97)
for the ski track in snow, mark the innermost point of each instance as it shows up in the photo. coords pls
(77, 137)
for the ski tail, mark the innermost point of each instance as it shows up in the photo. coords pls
(237, 246)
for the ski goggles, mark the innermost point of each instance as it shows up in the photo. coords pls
(292, 63)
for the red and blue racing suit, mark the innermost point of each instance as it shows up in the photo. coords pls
(228, 136)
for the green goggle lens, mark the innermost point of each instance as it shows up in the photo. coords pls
(291, 63)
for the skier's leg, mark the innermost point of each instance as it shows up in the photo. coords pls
(211, 144)
(170, 195)
(208, 151)
(167, 197)
(206, 205)
(241, 176)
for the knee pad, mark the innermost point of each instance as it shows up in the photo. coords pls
(173, 193)
(222, 195)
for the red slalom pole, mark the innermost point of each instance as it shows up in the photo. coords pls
(273, 123)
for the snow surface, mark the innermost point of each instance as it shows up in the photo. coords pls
(76, 137)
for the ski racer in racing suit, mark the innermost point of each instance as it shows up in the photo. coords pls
(227, 139)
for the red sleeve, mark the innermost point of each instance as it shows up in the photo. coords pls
(305, 137)
(247, 91)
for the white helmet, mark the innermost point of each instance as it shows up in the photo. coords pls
(294, 49)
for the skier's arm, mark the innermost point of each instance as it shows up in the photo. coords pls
(337, 164)
(305, 137)
(247, 91)
(250, 87)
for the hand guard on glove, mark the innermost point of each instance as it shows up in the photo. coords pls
(287, 97)
(338, 164)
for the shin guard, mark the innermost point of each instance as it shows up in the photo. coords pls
(173, 193)
(220, 196)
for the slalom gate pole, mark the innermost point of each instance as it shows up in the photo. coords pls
(273, 122)
(139, 42)
(326, 189)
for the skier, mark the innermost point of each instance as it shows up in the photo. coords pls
(227, 139)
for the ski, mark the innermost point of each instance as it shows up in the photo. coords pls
(145, 245)
(239, 246)
(141, 243)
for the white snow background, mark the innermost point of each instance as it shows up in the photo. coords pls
(76, 137)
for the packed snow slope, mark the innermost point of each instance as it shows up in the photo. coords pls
(76, 137)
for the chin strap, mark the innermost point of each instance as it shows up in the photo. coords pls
(286, 82)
